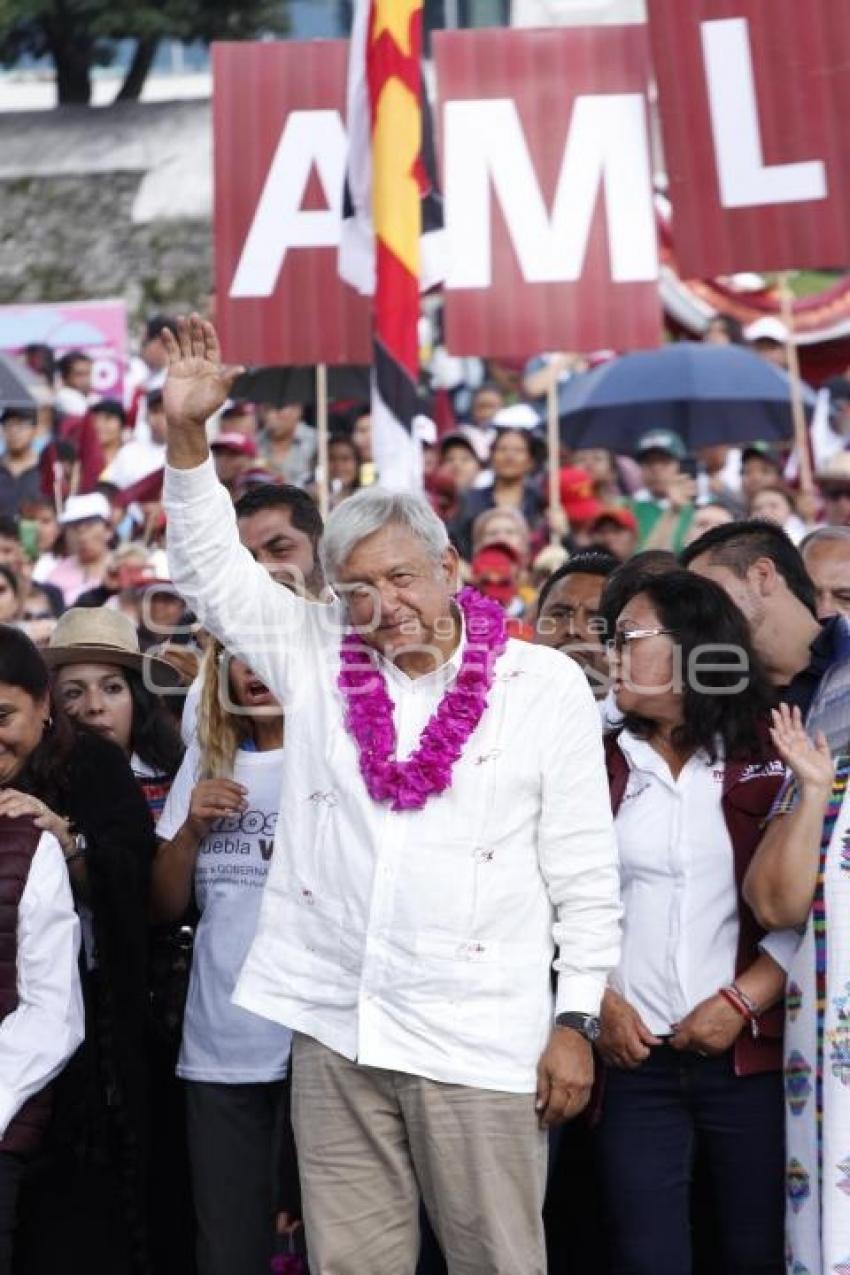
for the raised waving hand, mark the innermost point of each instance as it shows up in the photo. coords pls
(810, 760)
(198, 382)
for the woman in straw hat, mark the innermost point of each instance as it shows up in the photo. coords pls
(103, 680)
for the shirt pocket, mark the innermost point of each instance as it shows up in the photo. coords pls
(485, 987)
(307, 945)
(437, 889)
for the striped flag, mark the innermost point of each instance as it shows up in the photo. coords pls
(392, 243)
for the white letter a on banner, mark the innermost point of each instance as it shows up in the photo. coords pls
(309, 138)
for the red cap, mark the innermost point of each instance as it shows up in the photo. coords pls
(577, 498)
(236, 442)
(494, 571)
(617, 513)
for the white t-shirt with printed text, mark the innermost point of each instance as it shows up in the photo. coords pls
(223, 1043)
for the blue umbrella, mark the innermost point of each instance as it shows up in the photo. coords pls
(706, 393)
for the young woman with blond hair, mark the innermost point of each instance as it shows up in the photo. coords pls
(218, 830)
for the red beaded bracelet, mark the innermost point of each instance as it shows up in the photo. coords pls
(743, 1005)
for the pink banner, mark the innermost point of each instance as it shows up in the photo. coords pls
(98, 328)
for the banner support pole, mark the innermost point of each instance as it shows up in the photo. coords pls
(798, 415)
(558, 525)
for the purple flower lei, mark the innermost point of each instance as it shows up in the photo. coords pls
(407, 785)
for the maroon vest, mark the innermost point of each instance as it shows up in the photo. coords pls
(748, 793)
(19, 840)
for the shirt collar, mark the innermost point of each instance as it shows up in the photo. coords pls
(829, 645)
(640, 755)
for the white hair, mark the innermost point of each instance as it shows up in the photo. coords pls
(824, 535)
(366, 512)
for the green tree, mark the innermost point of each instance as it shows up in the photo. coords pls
(79, 35)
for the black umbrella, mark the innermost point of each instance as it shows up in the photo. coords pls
(282, 385)
(16, 384)
(706, 393)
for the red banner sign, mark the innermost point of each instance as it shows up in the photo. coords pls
(546, 180)
(754, 95)
(546, 175)
(548, 190)
(280, 152)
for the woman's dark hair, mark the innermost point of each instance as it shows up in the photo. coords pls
(154, 734)
(622, 584)
(505, 431)
(345, 440)
(21, 666)
(730, 696)
(730, 325)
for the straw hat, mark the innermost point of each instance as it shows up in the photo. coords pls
(99, 635)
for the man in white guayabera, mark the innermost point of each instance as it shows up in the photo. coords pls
(445, 824)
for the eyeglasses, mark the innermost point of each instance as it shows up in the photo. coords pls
(615, 645)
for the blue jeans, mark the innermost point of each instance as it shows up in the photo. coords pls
(652, 1119)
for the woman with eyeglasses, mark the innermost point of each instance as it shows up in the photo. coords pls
(691, 1023)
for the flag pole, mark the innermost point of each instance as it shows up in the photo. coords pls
(798, 415)
(322, 437)
(558, 526)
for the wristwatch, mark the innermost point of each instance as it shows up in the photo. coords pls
(79, 846)
(585, 1024)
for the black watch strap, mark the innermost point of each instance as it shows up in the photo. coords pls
(586, 1025)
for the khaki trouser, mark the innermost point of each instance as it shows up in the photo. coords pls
(370, 1141)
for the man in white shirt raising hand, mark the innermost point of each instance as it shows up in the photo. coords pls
(445, 825)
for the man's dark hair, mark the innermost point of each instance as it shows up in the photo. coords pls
(8, 527)
(627, 580)
(27, 414)
(64, 449)
(40, 358)
(110, 407)
(67, 361)
(737, 545)
(303, 510)
(590, 562)
(157, 324)
(700, 614)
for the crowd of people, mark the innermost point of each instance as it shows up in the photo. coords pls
(343, 863)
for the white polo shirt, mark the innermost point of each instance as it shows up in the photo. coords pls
(677, 876)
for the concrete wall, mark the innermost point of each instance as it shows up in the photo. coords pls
(106, 203)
